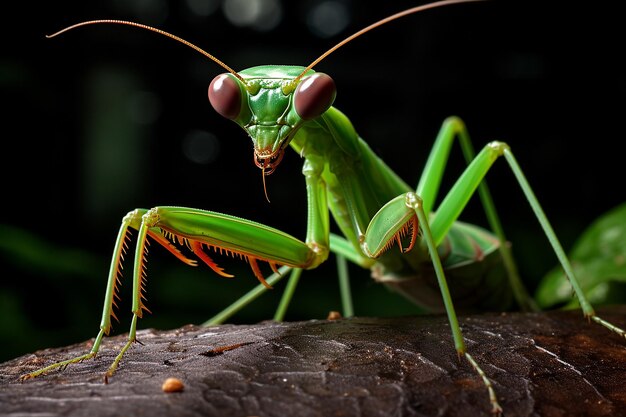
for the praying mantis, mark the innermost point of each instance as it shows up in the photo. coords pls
(282, 107)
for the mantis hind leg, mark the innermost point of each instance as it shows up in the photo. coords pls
(457, 198)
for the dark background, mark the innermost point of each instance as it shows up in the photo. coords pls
(101, 120)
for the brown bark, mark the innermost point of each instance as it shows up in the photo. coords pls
(547, 364)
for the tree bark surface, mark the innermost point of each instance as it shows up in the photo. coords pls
(543, 364)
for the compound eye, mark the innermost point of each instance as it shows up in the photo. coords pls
(314, 95)
(225, 96)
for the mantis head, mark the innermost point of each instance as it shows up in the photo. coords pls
(270, 103)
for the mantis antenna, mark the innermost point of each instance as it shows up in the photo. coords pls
(153, 29)
(311, 65)
(380, 23)
(350, 38)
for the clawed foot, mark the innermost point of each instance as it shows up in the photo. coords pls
(58, 365)
(609, 326)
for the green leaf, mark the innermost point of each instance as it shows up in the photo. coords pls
(599, 262)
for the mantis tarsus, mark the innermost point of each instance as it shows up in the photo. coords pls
(282, 106)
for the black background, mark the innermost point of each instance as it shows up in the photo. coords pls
(548, 79)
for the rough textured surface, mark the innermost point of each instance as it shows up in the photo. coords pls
(549, 364)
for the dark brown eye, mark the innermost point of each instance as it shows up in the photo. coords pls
(225, 96)
(314, 95)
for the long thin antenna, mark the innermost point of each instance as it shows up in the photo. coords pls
(380, 23)
(153, 29)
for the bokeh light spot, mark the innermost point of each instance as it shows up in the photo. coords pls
(328, 18)
(201, 147)
(202, 8)
(144, 107)
(262, 15)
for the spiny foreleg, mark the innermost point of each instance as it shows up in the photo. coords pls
(131, 220)
(404, 215)
(179, 229)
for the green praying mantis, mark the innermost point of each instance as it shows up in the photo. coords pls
(290, 106)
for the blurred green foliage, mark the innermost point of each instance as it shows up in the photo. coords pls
(42, 287)
(599, 261)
